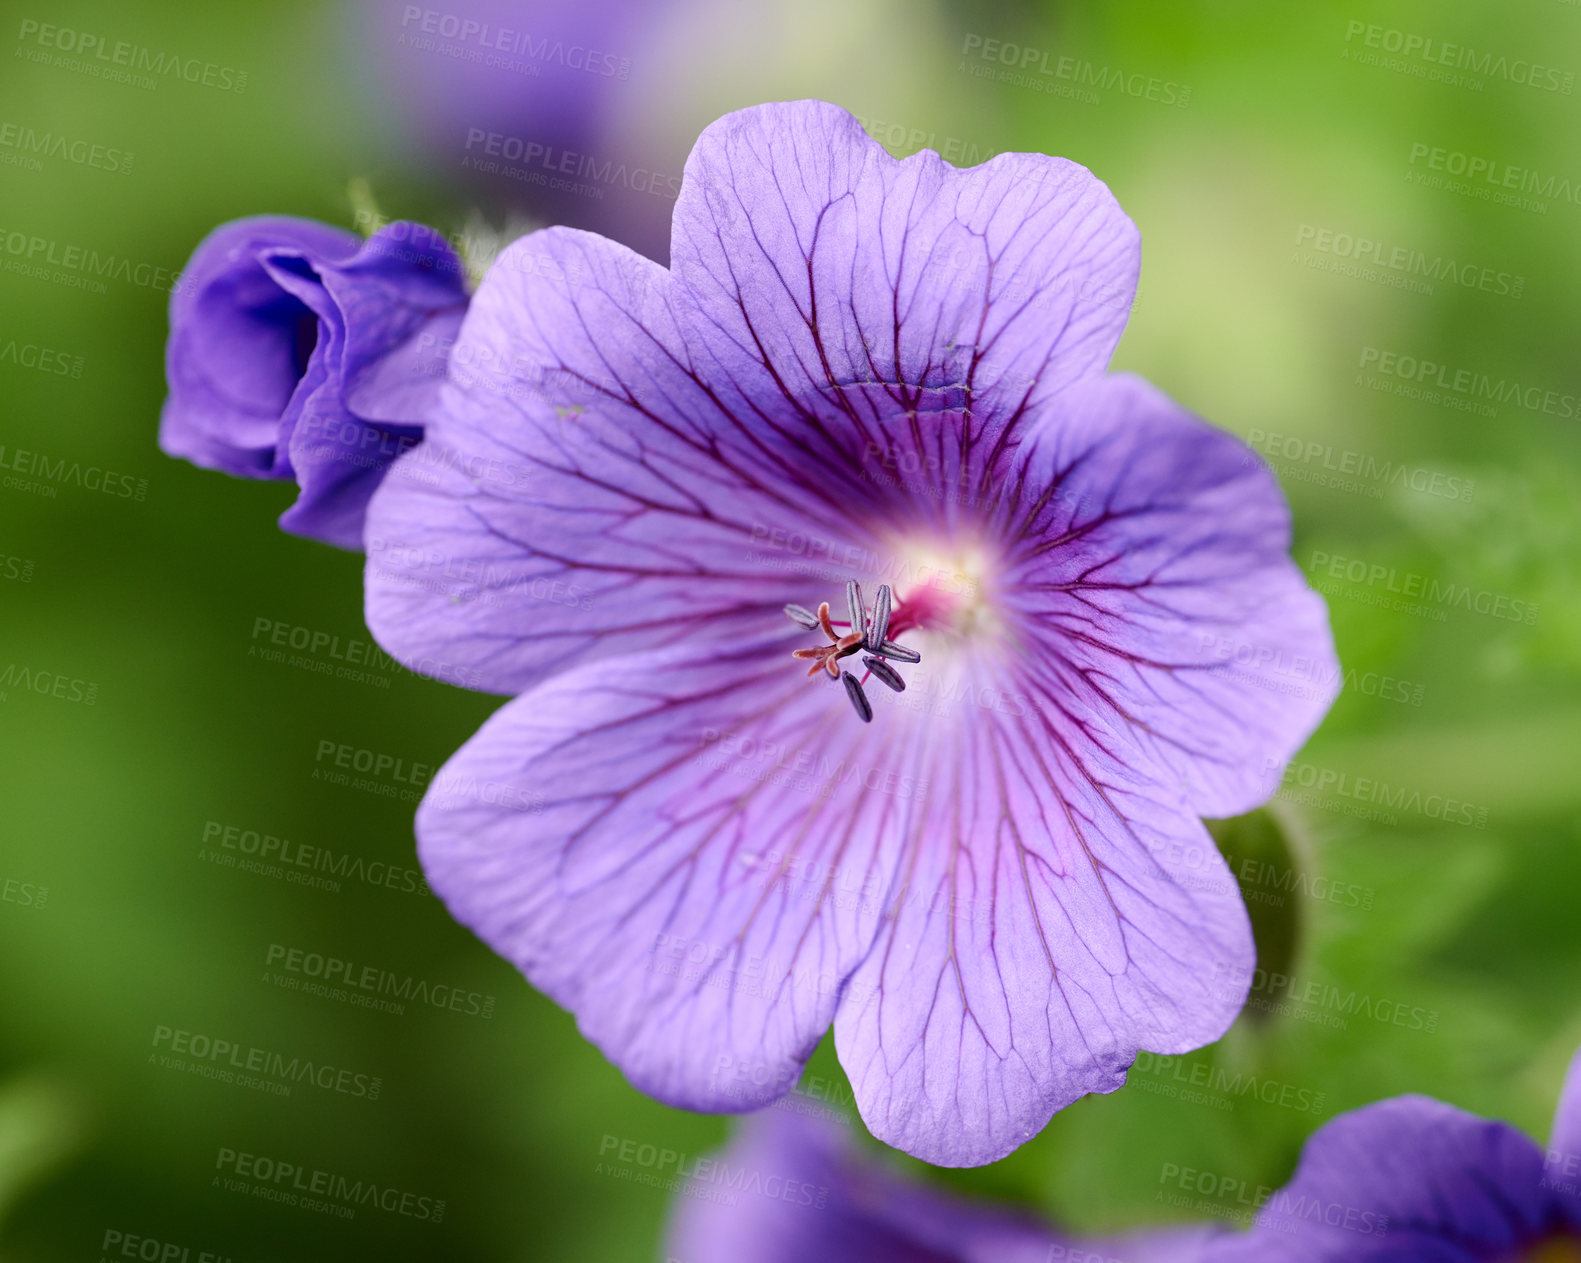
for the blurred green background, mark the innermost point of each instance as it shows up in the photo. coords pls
(1423, 953)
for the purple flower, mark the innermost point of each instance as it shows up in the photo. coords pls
(791, 1188)
(1414, 1179)
(524, 104)
(299, 351)
(999, 889)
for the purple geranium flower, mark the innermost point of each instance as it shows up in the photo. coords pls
(298, 350)
(1414, 1179)
(887, 372)
(791, 1188)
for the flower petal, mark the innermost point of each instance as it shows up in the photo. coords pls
(807, 1192)
(582, 492)
(239, 343)
(1562, 1163)
(1410, 1179)
(388, 318)
(402, 298)
(1057, 912)
(688, 854)
(811, 261)
(1154, 578)
(837, 1206)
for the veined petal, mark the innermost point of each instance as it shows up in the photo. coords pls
(1153, 578)
(582, 492)
(1056, 912)
(1408, 1179)
(812, 261)
(688, 853)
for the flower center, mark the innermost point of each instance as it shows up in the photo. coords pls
(867, 630)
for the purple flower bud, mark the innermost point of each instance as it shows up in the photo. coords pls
(299, 351)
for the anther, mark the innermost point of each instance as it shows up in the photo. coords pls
(878, 626)
(899, 652)
(863, 633)
(883, 672)
(853, 690)
(853, 602)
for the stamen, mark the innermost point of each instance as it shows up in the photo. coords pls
(862, 635)
(878, 627)
(885, 673)
(853, 690)
(802, 617)
(899, 652)
(853, 601)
